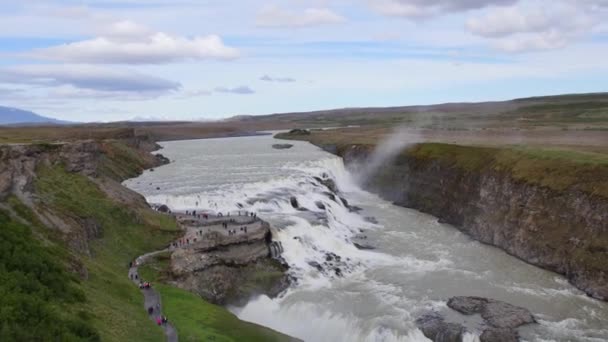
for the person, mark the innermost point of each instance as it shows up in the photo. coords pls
(136, 276)
(150, 310)
(165, 320)
(159, 320)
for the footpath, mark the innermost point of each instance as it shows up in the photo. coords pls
(196, 227)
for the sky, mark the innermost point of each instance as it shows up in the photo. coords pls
(108, 60)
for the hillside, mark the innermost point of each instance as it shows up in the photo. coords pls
(14, 116)
(572, 111)
(69, 231)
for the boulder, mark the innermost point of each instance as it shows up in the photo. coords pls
(499, 335)
(364, 247)
(434, 327)
(496, 313)
(282, 146)
(294, 202)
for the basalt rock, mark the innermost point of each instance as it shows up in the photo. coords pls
(500, 320)
(282, 146)
(294, 202)
(363, 246)
(558, 230)
(434, 327)
(229, 270)
(498, 314)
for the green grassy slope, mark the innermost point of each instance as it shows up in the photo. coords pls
(72, 285)
(114, 303)
(39, 299)
(197, 320)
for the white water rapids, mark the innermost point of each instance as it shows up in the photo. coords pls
(343, 293)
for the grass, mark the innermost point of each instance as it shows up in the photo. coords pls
(39, 299)
(552, 168)
(198, 320)
(120, 161)
(115, 305)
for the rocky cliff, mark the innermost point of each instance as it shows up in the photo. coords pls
(551, 214)
(229, 269)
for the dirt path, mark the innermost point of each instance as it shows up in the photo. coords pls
(152, 298)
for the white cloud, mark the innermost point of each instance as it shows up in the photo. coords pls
(529, 28)
(126, 30)
(87, 77)
(241, 90)
(274, 16)
(268, 78)
(427, 8)
(126, 42)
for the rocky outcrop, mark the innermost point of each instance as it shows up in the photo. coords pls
(497, 314)
(230, 269)
(565, 231)
(500, 320)
(434, 327)
(282, 146)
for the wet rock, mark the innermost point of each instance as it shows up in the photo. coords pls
(320, 205)
(344, 202)
(157, 188)
(163, 209)
(161, 160)
(332, 257)
(434, 327)
(354, 209)
(338, 272)
(371, 219)
(316, 265)
(330, 184)
(330, 195)
(499, 335)
(282, 146)
(294, 202)
(496, 313)
(152, 170)
(364, 247)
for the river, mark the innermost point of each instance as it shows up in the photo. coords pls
(366, 295)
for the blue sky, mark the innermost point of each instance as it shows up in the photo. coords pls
(114, 60)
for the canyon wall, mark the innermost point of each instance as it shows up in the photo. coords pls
(562, 230)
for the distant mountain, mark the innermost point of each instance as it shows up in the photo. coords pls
(14, 116)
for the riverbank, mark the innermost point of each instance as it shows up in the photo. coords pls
(545, 206)
(66, 201)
